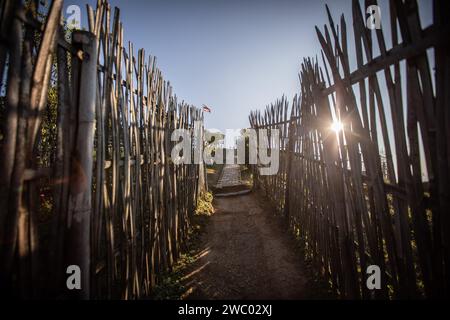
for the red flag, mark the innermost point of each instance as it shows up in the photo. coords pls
(206, 108)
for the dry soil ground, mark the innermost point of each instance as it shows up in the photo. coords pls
(246, 254)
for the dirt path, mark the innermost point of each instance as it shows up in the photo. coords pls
(245, 255)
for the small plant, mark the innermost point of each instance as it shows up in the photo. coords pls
(204, 204)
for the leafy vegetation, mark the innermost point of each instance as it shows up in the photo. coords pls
(204, 204)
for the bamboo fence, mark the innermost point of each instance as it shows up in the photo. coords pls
(86, 172)
(378, 191)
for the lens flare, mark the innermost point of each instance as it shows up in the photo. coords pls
(337, 126)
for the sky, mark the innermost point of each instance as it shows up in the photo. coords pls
(234, 56)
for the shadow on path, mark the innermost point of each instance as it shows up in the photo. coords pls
(246, 254)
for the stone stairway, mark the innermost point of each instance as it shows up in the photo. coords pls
(231, 179)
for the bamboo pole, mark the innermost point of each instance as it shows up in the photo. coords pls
(80, 199)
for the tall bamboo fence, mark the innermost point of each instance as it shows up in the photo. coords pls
(86, 176)
(376, 192)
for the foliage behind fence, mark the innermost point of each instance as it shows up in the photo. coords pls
(86, 175)
(378, 191)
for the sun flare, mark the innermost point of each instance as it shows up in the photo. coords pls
(337, 126)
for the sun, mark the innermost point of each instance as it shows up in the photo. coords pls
(337, 126)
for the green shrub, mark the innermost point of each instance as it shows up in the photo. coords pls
(204, 204)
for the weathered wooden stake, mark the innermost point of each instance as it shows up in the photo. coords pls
(80, 199)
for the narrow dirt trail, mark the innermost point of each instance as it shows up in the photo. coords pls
(246, 254)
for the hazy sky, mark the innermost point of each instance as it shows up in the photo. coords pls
(235, 56)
